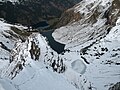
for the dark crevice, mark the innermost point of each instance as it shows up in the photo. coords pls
(4, 47)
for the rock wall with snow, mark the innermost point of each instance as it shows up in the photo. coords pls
(90, 60)
(94, 40)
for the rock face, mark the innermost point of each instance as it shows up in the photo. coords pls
(115, 87)
(70, 16)
(34, 51)
(67, 17)
(30, 12)
(87, 15)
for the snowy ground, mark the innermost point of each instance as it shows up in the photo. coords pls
(96, 51)
(36, 75)
(91, 59)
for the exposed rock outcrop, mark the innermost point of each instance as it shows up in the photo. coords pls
(34, 51)
(115, 87)
(69, 16)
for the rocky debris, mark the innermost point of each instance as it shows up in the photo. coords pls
(34, 51)
(58, 65)
(85, 59)
(4, 47)
(16, 62)
(115, 87)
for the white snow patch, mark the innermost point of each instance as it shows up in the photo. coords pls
(78, 66)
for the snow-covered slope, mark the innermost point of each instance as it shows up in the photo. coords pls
(8, 39)
(93, 42)
(96, 20)
(90, 60)
(104, 70)
(29, 63)
(36, 76)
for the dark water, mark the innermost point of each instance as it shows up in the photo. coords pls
(58, 47)
(41, 24)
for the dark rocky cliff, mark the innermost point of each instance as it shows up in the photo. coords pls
(29, 12)
(67, 17)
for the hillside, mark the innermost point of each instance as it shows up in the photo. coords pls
(30, 12)
(90, 60)
(94, 40)
(19, 70)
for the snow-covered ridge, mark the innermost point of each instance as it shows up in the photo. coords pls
(97, 17)
(20, 71)
(90, 61)
(13, 1)
(20, 63)
(87, 6)
(8, 39)
(78, 73)
(35, 74)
